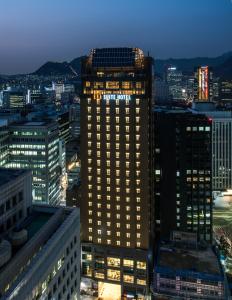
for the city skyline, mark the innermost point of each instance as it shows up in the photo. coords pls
(44, 31)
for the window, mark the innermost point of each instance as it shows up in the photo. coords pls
(113, 262)
(141, 265)
(113, 275)
(128, 278)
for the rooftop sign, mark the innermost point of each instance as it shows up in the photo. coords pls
(116, 97)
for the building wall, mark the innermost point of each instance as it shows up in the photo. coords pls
(183, 170)
(15, 200)
(49, 273)
(4, 136)
(221, 148)
(36, 147)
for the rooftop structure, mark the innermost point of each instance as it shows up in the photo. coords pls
(116, 57)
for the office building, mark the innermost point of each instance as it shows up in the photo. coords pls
(14, 99)
(15, 198)
(75, 120)
(174, 80)
(64, 125)
(221, 145)
(161, 91)
(116, 170)
(203, 87)
(187, 270)
(37, 96)
(29, 266)
(4, 136)
(183, 170)
(35, 146)
(225, 92)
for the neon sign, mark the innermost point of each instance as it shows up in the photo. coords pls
(203, 83)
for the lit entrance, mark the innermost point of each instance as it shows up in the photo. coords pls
(109, 291)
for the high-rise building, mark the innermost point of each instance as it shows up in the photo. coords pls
(75, 120)
(225, 92)
(14, 99)
(203, 90)
(174, 79)
(4, 135)
(183, 170)
(221, 145)
(35, 146)
(116, 170)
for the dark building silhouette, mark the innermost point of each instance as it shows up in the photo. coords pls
(183, 173)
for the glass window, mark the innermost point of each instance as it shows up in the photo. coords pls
(141, 265)
(113, 274)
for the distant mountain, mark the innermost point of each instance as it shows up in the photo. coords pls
(225, 69)
(187, 65)
(60, 68)
(222, 66)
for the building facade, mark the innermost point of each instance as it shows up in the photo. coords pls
(221, 149)
(116, 169)
(4, 136)
(183, 170)
(183, 270)
(34, 270)
(203, 87)
(35, 146)
(15, 198)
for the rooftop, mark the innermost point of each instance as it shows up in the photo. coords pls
(179, 258)
(7, 175)
(34, 123)
(35, 222)
(116, 57)
(46, 228)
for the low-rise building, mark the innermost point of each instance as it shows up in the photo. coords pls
(185, 270)
(39, 244)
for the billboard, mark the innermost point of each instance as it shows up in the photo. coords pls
(203, 83)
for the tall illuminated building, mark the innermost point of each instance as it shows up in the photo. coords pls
(35, 146)
(116, 170)
(174, 80)
(203, 88)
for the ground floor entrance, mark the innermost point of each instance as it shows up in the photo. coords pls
(109, 291)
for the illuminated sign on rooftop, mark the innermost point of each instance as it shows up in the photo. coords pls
(116, 97)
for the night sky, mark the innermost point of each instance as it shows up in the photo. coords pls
(35, 31)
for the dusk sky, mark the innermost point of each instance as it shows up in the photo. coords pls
(35, 31)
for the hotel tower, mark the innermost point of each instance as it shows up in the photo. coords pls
(116, 171)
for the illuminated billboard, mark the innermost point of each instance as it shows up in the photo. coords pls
(203, 83)
(116, 97)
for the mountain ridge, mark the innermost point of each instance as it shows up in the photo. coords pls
(187, 65)
(222, 66)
